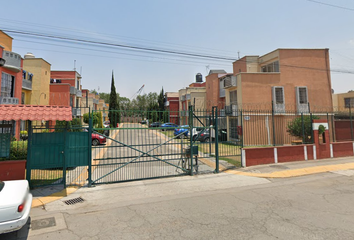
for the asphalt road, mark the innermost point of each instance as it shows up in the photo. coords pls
(215, 206)
(151, 141)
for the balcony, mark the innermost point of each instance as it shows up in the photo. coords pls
(167, 103)
(26, 84)
(230, 81)
(188, 97)
(73, 91)
(76, 112)
(95, 101)
(183, 98)
(78, 93)
(8, 100)
(13, 61)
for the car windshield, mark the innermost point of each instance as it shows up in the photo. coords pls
(1, 185)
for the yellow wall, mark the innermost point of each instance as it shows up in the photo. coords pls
(28, 94)
(338, 101)
(41, 79)
(6, 41)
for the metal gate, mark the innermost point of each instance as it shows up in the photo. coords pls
(57, 155)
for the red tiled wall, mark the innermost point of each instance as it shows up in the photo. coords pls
(343, 149)
(291, 153)
(257, 156)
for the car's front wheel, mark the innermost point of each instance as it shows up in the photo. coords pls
(95, 142)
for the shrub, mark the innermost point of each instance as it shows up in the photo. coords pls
(295, 127)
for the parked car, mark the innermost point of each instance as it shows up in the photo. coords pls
(205, 135)
(143, 122)
(181, 129)
(195, 132)
(15, 205)
(97, 138)
(168, 126)
(155, 124)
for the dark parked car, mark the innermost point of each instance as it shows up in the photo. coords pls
(155, 124)
(168, 126)
(143, 122)
(205, 135)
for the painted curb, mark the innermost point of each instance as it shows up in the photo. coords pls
(296, 172)
(39, 202)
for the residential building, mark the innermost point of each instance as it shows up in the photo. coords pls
(215, 92)
(172, 106)
(296, 80)
(343, 101)
(36, 80)
(65, 90)
(194, 95)
(11, 65)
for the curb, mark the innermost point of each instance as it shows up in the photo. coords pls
(296, 172)
(40, 202)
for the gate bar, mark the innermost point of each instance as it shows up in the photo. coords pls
(143, 153)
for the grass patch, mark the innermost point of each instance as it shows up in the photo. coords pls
(232, 160)
(40, 177)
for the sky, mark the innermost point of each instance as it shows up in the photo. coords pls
(223, 28)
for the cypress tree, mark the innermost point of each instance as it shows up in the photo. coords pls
(113, 115)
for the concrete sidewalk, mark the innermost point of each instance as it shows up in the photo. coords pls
(42, 196)
(296, 169)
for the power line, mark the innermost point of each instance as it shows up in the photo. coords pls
(332, 5)
(108, 35)
(121, 45)
(134, 55)
(157, 51)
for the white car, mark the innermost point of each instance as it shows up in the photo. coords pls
(15, 205)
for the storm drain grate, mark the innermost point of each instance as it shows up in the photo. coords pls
(74, 201)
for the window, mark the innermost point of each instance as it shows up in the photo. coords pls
(302, 95)
(349, 102)
(7, 85)
(233, 97)
(272, 67)
(279, 95)
(23, 98)
(221, 89)
(302, 100)
(278, 99)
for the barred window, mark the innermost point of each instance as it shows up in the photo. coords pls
(349, 102)
(7, 85)
(279, 95)
(271, 67)
(302, 95)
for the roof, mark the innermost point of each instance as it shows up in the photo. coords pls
(216, 71)
(35, 113)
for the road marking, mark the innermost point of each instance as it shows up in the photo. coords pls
(296, 172)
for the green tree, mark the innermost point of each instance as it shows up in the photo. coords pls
(113, 115)
(105, 97)
(295, 127)
(161, 100)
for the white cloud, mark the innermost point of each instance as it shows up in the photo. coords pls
(351, 42)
